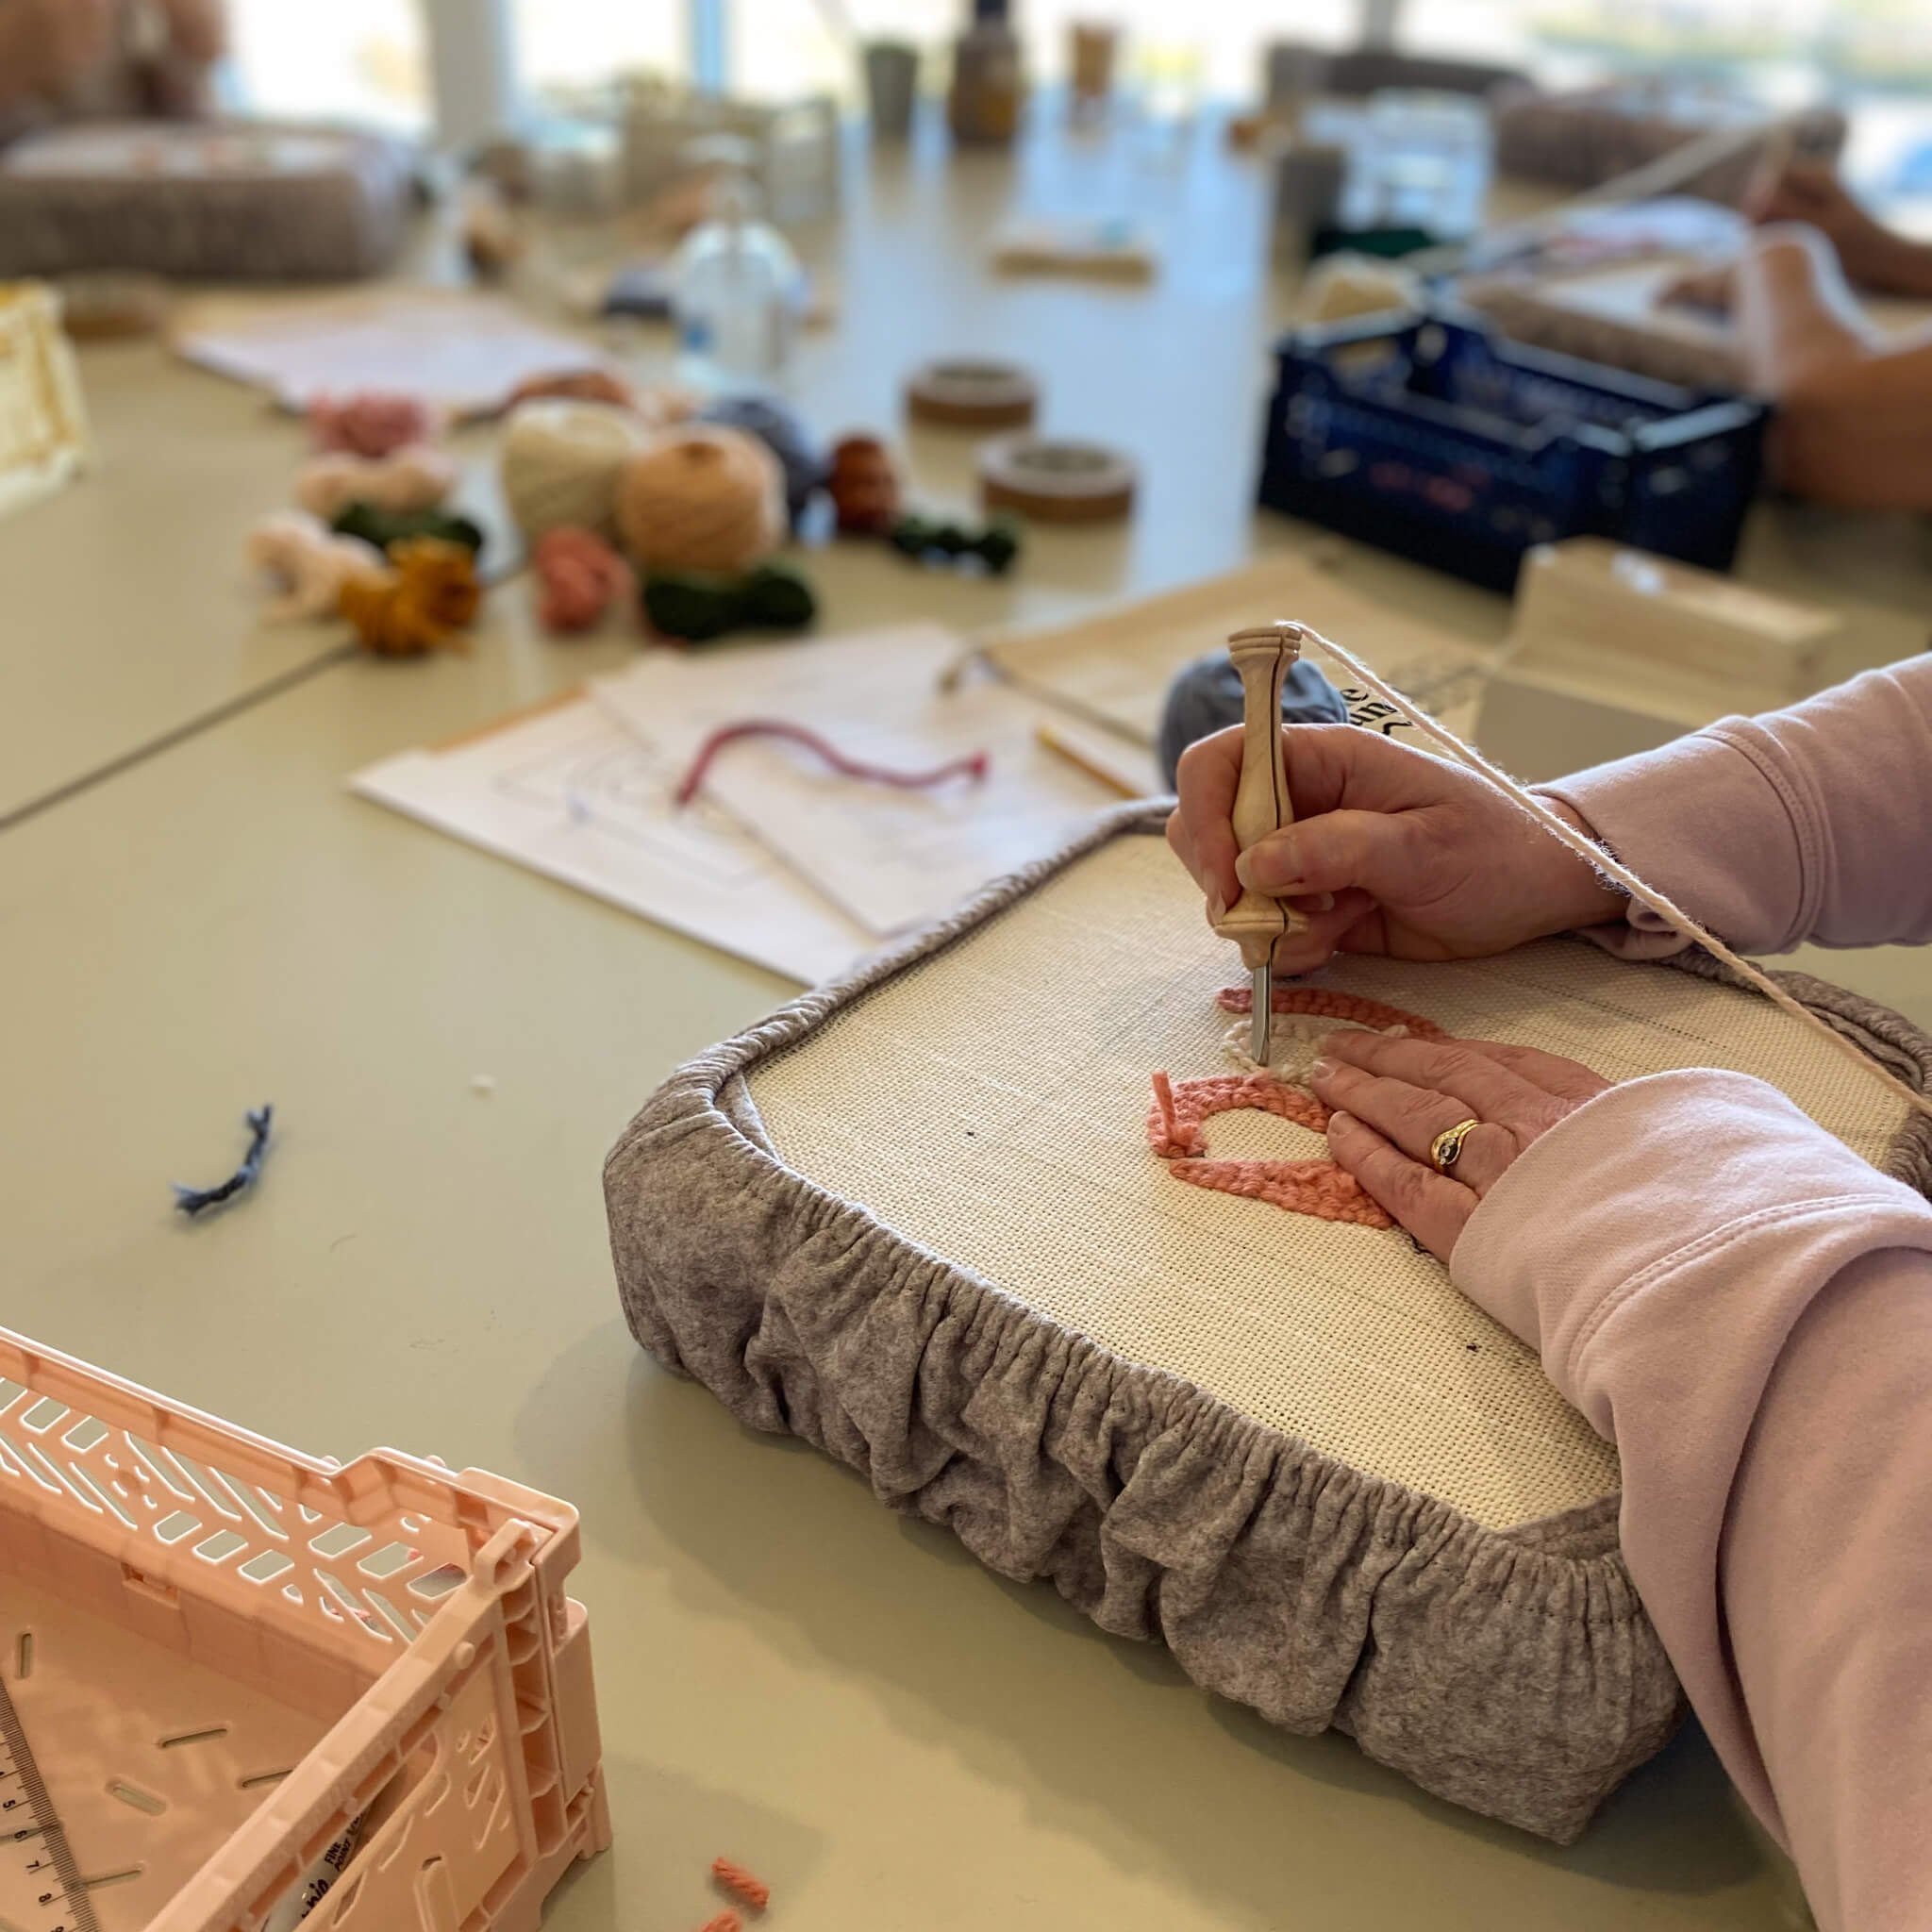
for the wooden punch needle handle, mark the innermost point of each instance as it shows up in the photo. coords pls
(1261, 802)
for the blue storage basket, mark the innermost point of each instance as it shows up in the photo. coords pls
(1431, 437)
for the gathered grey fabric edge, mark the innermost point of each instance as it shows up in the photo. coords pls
(1512, 1672)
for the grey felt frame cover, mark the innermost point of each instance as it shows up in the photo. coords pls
(1513, 1671)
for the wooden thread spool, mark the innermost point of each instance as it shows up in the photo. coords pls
(1055, 481)
(701, 498)
(1262, 804)
(972, 394)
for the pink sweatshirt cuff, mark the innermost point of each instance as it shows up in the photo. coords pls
(1713, 827)
(1650, 1178)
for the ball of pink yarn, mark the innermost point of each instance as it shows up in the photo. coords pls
(580, 574)
(372, 423)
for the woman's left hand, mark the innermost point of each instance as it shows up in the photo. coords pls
(1391, 1098)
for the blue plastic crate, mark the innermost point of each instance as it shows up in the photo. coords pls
(1436, 439)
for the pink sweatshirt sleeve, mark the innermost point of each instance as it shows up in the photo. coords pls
(1808, 823)
(1744, 1307)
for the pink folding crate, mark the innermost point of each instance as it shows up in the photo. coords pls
(245, 1687)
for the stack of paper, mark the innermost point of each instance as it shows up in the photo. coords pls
(887, 857)
(778, 858)
(569, 792)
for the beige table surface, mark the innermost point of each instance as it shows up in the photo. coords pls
(786, 1671)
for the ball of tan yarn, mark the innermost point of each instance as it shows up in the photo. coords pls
(560, 462)
(701, 497)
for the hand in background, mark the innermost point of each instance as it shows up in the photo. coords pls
(1871, 254)
(1425, 860)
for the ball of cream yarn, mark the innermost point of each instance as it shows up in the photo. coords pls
(560, 462)
(701, 497)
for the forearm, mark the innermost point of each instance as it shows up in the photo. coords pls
(1744, 1307)
(1792, 311)
(197, 30)
(1806, 824)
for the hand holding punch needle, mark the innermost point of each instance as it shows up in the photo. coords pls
(1261, 806)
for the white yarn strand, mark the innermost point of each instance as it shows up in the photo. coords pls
(1565, 834)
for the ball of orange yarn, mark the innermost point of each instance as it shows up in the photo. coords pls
(701, 497)
(372, 423)
(580, 574)
(420, 603)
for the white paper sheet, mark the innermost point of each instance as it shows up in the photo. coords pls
(572, 794)
(464, 353)
(892, 859)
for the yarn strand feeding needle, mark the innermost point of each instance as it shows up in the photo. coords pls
(1261, 806)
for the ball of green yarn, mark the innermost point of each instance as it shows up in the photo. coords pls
(383, 528)
(697, 608)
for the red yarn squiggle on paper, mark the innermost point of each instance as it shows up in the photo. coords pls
(1318, 1188)
(974, 767)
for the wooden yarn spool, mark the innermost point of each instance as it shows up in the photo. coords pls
(701, 498)
(560, 460)
(1056, 482)
(972, 394)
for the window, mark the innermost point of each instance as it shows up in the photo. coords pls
(575, 44)
(348, 60)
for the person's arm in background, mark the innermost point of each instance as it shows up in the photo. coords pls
(174, 75)
(197, 29)
(1854, 422)
(48, 46)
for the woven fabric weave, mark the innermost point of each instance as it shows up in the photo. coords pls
(990, 1106)
(913, 1219)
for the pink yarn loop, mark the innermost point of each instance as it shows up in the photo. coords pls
(1319, 1187)
(975, 766)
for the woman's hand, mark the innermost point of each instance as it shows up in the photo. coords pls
(1390, 1098)
(1423, 860)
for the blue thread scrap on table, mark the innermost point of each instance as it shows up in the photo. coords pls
(193, 1201)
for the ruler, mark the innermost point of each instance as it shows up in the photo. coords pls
(37, 1875)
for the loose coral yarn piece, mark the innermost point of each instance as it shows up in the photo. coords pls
(974, 767)
(581, 577)
(724, 1921)
(1317, 1188)
(741, 1884)
(1322, 1188)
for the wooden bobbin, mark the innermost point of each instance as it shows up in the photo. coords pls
(1056, 482)
(972, 394)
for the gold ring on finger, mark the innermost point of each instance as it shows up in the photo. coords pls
(1446, 1147)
